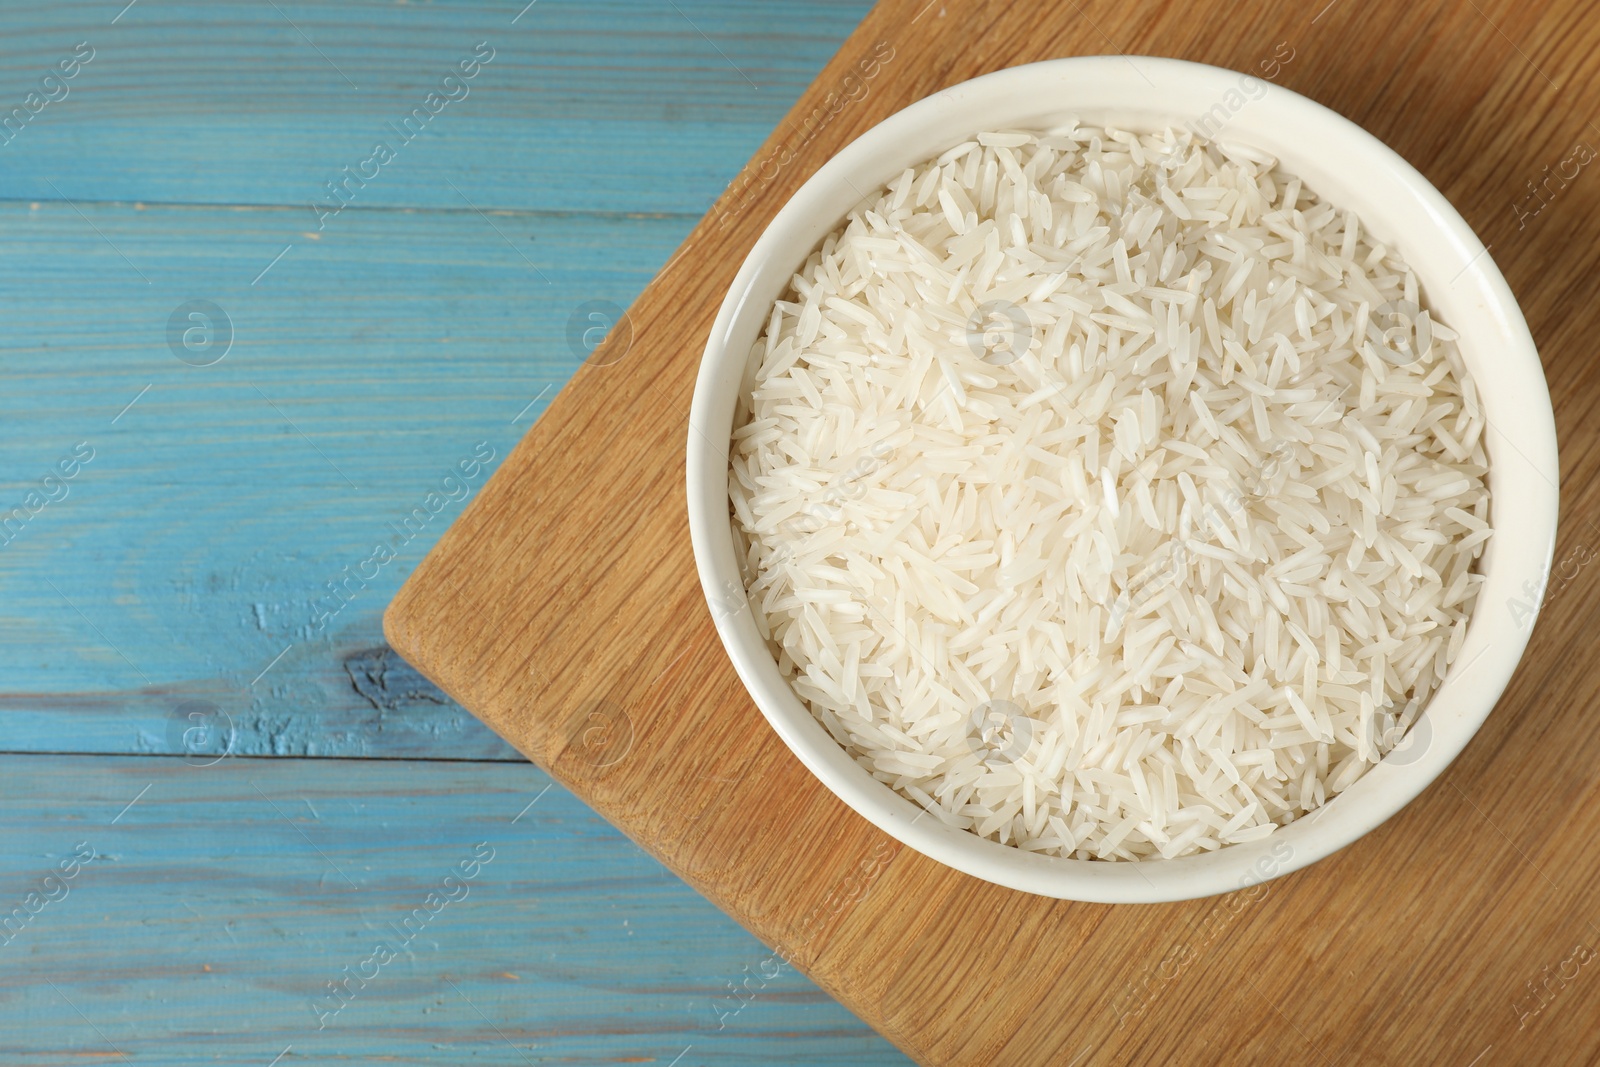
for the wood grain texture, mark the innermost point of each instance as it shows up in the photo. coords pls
(359, 377)
(186, 555)
(563, 608)
(224, 900)
(429, 315)
(241, 103)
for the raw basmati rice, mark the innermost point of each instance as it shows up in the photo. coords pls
(1109, 495)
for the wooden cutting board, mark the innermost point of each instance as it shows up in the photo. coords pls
(564, 610)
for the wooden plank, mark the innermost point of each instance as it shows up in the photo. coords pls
(249, 104)
(223, 902)
(563, 608)
(197, 544)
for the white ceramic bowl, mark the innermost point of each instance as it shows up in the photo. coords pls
(1338, 160)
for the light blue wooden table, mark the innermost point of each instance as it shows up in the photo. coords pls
(221, 394)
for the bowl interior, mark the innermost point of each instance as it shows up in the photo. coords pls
(1337, 160)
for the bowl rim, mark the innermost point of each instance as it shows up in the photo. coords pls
(1525, 494)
